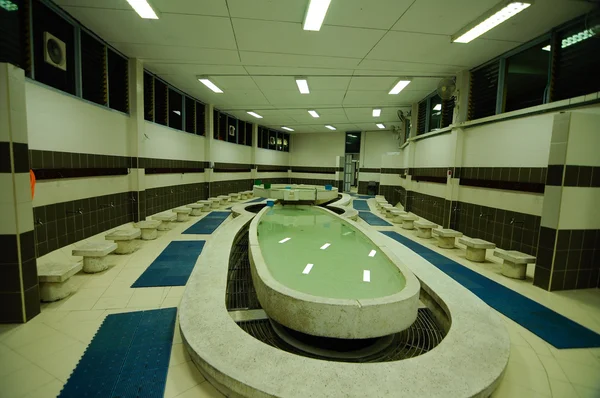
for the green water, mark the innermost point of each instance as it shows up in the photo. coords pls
(339, 270)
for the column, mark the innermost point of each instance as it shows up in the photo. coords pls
(209, 137)
(19, 292)
(568, 255)
(136, 131)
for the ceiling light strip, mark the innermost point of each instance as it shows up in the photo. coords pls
(381, 125)
(143, 8)
(302, 84)
(213, 87)
(317, 9)
(490, 21)
(401, 85)
(287, 128)
(313, 113)
(330, 127)
(256, 115)
(376, 112)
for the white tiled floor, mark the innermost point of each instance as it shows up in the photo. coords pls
(37, 358)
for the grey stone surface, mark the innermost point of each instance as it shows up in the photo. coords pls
(514, 256)
(94, 249)
(469, 362)
(57, 272)
(124, 234)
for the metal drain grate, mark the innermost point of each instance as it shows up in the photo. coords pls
(240, 293)
(418, 339)
(421, 337)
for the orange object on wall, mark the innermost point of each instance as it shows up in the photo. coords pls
(32, 183)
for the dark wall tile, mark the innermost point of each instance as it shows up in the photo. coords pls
(585, 176)
(570, 280)
(571, 176)
(541, 278)
(20, 157)
(554, 175)
(32, 302)
(11, 310)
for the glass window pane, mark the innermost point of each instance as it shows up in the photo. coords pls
(272, 139)
(160, 102)
(190, 115)
(93, 65)
(216, 120)
(248, 134)
(200, 118)
(265, 138)
(148, 97)
(175, 109)
(223, 126)
(435, 115)
(353, 142)
(526, 78)
(118, 82)
(286, 142)
(232, 129)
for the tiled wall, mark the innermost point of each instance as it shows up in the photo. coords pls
(524, 179)
(226, 187)
(169, 197)
(393, 194)
(432, 208)
(310, 181)
(61, 224)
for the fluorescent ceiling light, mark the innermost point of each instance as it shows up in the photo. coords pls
(307, 269)
(210, 85)
(287, 128)
(401, 85)
(547, 48)
(143, 9)
(438, 107)
(376, 112)
(372, 253)
(573, 39)
(9, 5)
(498, 16)
(381, 125)
(325, 246)
(317, 9)
(330, 127)
(366, 276)
(302, 84)
(256, 115)
(313, 113)
(284, 240)
(178, 113)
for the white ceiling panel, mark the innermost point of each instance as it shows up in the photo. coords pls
(284, 37)
(372, 83)
(178, 54)
(235, 82)
(379, 14)
(286, 98)
(199, 7)
(368, 66)
(365, 115)
(437, 49)
(310, 61)
(291, 71)
(314, 83)
(193, 70)
(374, 98)
(442, 16)
(269, 10)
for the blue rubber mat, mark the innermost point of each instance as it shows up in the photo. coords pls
(173, 266)
(361, 196)
(372, 219)
(128, 357)
(256, 200)
(208, 224)
(360, 204)
(554, 328)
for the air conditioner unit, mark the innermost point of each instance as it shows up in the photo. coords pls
(232, 130)
(55, 51)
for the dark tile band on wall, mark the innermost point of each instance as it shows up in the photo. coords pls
(310, 181)
(173, 171)
(504, 185)
(369, 170)
(232, 168)
(54, 174)
(315, 170)
(20, 157)
(226, 187)
(428, 171)
(433, 208)
(160, 199)
(393, 194)
(393, 171)
(522, 179)
(582, 176)
(555, 175)
(151, 163)
(271, 168)
(363, 187)
(73, 160)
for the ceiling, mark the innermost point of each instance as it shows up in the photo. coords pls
(252, 49)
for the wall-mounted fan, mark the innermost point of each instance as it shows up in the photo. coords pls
(446, 88)
(401, 116)
(55, 51)
(232, 130)
(271, 140)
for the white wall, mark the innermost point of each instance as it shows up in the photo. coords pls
(583, 148)
(436, 151)
(270, 157)
(318, 150)
(523, 142)
(226, 152)
(160, 142)
(60, 122)
(63, 190)
(374, 145)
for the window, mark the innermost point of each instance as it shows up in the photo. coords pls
(447, 112)
(526, 78)
(161, 102)
(286, 142)
(93, 69)
(272, 139)
(353, 142)
(484, 90)
(422, 118)
(223, 127)
(216, 119)
(118, 82)
(200, 118)
(248, 140)
(11, 46)
(232, 130)
(148, 97)
(435, 113)
(175, 109)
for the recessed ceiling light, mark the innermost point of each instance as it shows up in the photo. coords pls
(438, 107)
(366, 275)
(547, 48)
(376, 112)
(256, 115)
(302, 83)
(401, 85)
(9, 5)
(287, 128)
(178, 113)
(330, 127)
(210, 85)
(313, 113)
(381, 125)
(143, 9)
(573, 39)
(490, 20)
(317, 9)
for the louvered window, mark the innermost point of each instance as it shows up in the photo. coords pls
(148, 97)
(118, 82)
(93, 69)
(484, 89)
(160, 102)
(447, 112)
(422, 117)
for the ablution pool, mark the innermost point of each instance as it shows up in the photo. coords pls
(316, 273)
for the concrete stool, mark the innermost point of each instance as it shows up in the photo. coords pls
(197, 209)
(384, 210)
(214, 202)
(94, 255)
(125, 240)
(244, 195)
(381, 202)
(445, 237)
(165, 220)
(379, 197)
(408, 220)
(183, 213)
(515, 263)
(234, 197)
(55, 280)
(396, 213)
(424, 228)
(206, 205)
(476, 248)
(148, 229)
(224, 199)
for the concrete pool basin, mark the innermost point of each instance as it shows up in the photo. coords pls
(296, 192)
(319, 274)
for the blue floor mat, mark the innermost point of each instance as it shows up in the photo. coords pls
(173, 266)
(360, 204)
(128, 357)
(208, 224)
(372, 219)
(361, 196)
(554, 328)
(256, 200)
